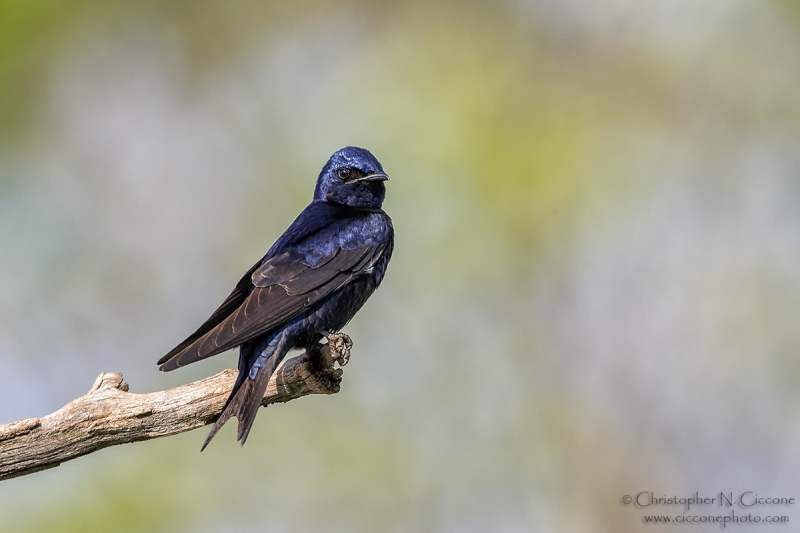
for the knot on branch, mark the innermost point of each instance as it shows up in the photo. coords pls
(109, 380)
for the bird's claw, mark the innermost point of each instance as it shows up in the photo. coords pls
(340, 344)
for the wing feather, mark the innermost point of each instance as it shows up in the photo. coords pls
(282, 288)
(231, 303)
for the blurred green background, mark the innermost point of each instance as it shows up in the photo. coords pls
(596, 282)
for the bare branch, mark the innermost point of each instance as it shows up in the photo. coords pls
(108, 414)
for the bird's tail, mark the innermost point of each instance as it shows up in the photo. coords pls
(245, 398)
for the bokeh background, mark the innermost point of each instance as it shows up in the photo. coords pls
(596, 282)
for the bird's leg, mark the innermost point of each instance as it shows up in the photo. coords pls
(340, 344)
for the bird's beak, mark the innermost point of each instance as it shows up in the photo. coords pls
(378, 176)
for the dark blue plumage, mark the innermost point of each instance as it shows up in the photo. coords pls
(311, 282)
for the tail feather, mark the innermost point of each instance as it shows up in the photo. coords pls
(232, 407)
(249, 408)
(247, 393)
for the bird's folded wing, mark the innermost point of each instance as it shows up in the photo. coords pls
(282, 288)
(231, 303)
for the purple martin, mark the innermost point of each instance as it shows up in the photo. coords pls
(310, 284)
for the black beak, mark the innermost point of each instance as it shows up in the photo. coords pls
(378, 176)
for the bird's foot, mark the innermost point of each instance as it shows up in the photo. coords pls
(340, 344)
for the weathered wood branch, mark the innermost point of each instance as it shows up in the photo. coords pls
(108, 414)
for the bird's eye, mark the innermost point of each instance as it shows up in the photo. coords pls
(344, 173)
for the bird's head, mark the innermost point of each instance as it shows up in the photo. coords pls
(352, 177)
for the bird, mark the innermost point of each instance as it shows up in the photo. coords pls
(309, 285)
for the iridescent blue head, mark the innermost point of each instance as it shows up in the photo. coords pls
(351, 177)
